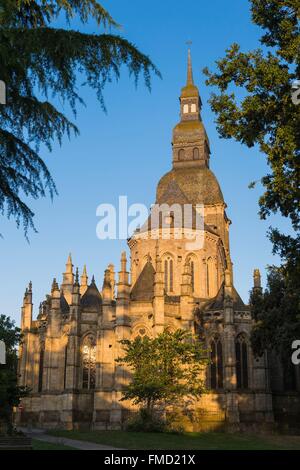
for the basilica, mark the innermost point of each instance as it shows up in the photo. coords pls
(67, 356)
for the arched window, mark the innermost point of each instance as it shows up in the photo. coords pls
(241, 355)
(41, 370)
(185, 108)
(216, 364)
(181, 155)
(193, 108)
(89, 362)
(192, 274)
(168, 274)
(141, 333)
(196, 153)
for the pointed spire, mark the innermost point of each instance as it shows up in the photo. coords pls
(123, 261)
(54, 286)
(256, 279)
(28, 294)
(83, 281)
(69, 265)
(123, 275)
(84, 277)
(106, 288)
(77, 277)
(190, 80)
(93, 279)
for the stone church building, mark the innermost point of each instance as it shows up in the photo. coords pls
(68, 353)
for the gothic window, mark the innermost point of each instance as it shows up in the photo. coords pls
(192, 275)
(193, 108)
(41, 370)
(185, 108)
(141, 333)
(89, 363)
(216, 364)
(196, 153)
(168, 274)
(181, 155)
(241, 354)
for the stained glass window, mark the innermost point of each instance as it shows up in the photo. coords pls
(41, 370)
(241, 353)
(216, 365)
(168, 266)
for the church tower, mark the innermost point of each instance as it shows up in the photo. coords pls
(181, 277)
(190, 142)
(188, 186)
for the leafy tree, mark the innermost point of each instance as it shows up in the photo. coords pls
(265, 115)
(164, 369)
(41, 66)
(10, 392)
(277, 309)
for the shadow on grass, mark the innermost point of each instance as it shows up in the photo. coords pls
(186, 441)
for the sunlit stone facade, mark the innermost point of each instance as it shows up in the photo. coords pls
(68, 354)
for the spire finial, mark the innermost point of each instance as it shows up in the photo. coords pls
(77, 277)
(69, 264)
(190, 80)
(54, 285)
(123, 261)
(257, 279)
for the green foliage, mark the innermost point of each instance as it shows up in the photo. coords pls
(10, 392)
(277, 309)
(42, 65)
(164, 369)
(266, 115)
(146, 421)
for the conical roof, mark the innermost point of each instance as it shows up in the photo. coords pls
(91, 300)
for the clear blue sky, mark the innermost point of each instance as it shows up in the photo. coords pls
(127, 151)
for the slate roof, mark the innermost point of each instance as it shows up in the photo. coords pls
(91, 299)
(64, 306)
(198, 185)
(218, 302)
(143, 289)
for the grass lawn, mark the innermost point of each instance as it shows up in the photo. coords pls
(189, 441)
(41, 445)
